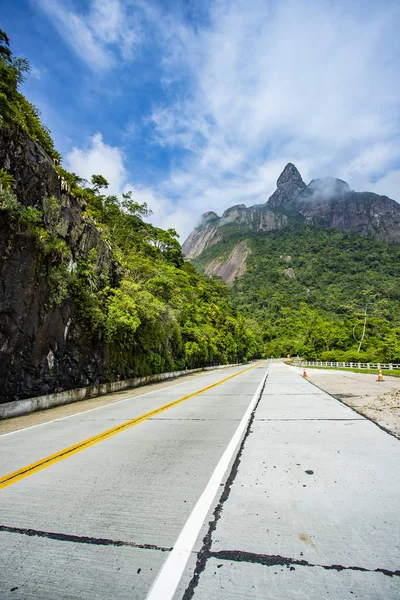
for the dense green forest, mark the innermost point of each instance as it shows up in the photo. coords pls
(340, 281)
(158, 313)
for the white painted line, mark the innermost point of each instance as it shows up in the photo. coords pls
(164, 587)
(83, 412)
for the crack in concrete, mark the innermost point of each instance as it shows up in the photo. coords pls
(204, 552)
(270, 560)
(65, 537)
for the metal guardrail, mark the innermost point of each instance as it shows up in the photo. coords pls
(347, 365)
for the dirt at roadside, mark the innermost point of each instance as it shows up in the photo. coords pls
(377, 400)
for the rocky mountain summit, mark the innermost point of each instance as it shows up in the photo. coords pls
(288, 186)
(328, 202)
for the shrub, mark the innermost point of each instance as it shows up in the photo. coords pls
(9, 202)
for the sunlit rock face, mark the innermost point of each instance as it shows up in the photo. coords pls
(201, 238)
(326, 202)
(231, 267)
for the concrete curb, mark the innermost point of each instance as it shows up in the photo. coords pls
(17, 408)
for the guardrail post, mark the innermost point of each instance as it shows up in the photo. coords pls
(391, 367)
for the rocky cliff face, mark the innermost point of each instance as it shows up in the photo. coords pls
(201, 238)
(43, 347)
(233, 266)
(326, 202)
(363, 213)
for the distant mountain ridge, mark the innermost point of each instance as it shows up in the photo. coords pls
(328, 202)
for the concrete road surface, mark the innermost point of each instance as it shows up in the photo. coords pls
(256, 487)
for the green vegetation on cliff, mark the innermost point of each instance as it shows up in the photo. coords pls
(319, 312)
(15, 110)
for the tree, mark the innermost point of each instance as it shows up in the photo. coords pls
(133, 208)
(370, 305)
(98, 182)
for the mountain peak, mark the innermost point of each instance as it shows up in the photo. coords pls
(289, 184)
(209, 216)
(290, 174)
(326, 188)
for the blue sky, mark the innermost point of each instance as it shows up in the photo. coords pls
(198, 105)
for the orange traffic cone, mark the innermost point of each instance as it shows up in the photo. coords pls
(380, 376)
(304, 373)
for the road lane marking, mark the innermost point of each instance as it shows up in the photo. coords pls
(71, 450)
(165, 586)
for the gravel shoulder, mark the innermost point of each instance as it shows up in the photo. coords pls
(377, 400)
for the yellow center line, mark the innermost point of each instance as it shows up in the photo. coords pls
(66, 452)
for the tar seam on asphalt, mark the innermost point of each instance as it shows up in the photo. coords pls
(356, 411)
(204, 552)
(276, 560)
(64, 537)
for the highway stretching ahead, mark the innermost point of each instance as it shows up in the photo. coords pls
(249, 482)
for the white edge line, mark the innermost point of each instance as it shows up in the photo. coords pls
(83, 412)
(167, 581)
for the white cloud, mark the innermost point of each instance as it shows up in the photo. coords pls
(97, 158)
(98, 34)
(389, 185)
